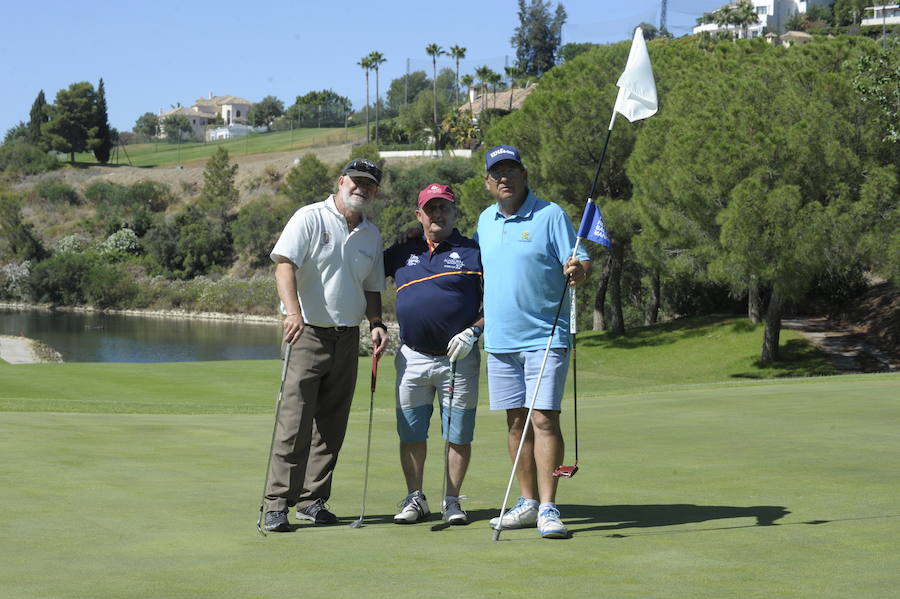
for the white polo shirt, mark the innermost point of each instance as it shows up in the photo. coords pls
(334, 266)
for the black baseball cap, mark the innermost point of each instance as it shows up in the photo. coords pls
(362, 167)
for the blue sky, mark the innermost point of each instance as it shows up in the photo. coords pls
(153, 55)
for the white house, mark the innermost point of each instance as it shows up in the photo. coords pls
(772, 16)
(232, 131)
(230, 108)
(205, 112)
(198, 120)
(886, 14)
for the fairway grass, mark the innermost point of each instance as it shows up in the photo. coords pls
(164, 153)
(768, 489)
(700, 476)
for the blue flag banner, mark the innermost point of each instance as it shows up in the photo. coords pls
(592, 226)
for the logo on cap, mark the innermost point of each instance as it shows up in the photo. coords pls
(496, 153)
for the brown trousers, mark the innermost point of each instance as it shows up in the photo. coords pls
(312, 420)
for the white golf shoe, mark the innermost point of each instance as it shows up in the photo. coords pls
(413, 508)
(550, 526)
(522, 515)
(453, 513)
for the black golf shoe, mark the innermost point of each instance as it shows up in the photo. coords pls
(277, 522)
(317, 513)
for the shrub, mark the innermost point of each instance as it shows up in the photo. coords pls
(22, 158)
(257, 227)
(123, 241)
(76, 242)
(74, 278)
(57, 192)
(14, 279)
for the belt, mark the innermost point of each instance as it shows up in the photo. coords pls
(336, 329)
(430, 352)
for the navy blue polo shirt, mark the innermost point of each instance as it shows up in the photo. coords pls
(438, 293)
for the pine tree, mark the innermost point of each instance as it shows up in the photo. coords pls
(219, 192)
(102, 143)
(39, 116)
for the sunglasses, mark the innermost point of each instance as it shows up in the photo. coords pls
(364, 166)
(495, 174)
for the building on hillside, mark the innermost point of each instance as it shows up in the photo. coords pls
(232, 131)
(885, 14)
(212, 110)
(198, 121)
(230, 108)
(481, 98)
(791, 38)
(772, 17)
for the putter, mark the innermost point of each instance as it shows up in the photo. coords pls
(359, 522)
(262, 502)
(444, 524)
(569, 471)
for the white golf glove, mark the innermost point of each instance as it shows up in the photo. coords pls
(461, 344)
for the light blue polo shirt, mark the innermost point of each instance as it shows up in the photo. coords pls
(523, 257)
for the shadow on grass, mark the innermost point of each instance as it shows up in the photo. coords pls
(661, 334)
(797, 358)
(619, 517)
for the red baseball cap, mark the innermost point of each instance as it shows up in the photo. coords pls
(436, 190)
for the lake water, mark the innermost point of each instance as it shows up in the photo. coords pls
(98, 337)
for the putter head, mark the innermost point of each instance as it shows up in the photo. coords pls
(356, 523)
(565, 471)
(259, 526)
(497, 534)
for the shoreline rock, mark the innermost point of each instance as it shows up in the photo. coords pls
(23, 350)
(182, 314)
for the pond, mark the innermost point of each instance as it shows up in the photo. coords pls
(99, 337)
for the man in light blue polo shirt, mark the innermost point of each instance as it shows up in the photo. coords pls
(526, 248)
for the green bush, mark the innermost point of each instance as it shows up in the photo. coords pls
(57, 192)
(73, 279)
(257, 227)
(22, 158)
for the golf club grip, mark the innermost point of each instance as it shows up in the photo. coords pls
(374, 370)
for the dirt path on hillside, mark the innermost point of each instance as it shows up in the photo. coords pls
(850, 349)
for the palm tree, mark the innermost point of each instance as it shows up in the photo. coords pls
(433, 50)
(366, 63)
(375, 60)
(483, 73)
(743, 14)
(513, 74)
(495, 79)
(467, 80)
(458, 53)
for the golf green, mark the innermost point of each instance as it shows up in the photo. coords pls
(773, 488)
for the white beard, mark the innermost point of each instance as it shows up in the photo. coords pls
(353, 203)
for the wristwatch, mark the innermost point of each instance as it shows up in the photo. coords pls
(377, 324)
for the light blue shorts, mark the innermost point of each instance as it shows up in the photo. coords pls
(512, 378)
(419, 377)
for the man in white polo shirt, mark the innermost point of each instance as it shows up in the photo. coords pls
(329, 272)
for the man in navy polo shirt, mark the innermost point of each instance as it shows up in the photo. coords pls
(438, 279)
(526, 245)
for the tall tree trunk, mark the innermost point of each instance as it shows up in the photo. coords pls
(753, 301)
(600, 323)
(368, 138)
(772, 330)
(377, 111)
(653, 310)
(615, 289)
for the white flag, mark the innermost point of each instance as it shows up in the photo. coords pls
(637, 89)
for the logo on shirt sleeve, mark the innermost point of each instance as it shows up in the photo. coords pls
(326, 238)
(412, 260)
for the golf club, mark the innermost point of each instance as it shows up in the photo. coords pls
(444, 524)
(537, 388)
(569, 471)
(358, 522)
(262, 502)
